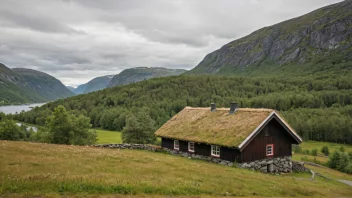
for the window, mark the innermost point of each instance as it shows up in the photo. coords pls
(176, 145)
(215, 151)
(191, 146)
(269, 150)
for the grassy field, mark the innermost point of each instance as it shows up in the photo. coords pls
(310, 158)
(310, 145)
(33, 169)
(320, 159)
(105, 137)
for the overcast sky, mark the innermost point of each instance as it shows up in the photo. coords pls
(77, 40)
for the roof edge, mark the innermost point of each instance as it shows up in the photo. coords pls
(255, 131)
(289, 127)
(250, 136)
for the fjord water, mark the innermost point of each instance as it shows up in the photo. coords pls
(12, 109)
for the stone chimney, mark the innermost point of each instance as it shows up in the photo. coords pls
(212, 107)
(233, 107)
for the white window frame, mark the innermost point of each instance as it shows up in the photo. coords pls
(189, 147)
(215, 151)
(271, 151)
(176, 145)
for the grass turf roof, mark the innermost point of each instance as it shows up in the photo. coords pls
(219, 127)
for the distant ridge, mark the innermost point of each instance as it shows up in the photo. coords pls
(95, 84)
(137, 74)
(20, 85)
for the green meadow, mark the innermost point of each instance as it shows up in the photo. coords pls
(38, 170)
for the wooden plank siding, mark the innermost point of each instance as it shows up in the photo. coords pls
(272, 133)
(167, 143)
(230, 154)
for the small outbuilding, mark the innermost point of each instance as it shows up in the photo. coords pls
(234, 134)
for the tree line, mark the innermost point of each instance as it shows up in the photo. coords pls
(318, 108)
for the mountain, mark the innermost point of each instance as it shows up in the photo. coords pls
(95, 84)
(21, 85)
(98, 83)
(80, 89)
(320, 40)
(71, 88)
(137, 74)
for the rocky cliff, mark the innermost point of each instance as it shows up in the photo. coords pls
(322, 35)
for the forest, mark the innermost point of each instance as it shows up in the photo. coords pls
(318, 107)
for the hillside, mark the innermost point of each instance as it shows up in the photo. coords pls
(43, 84)
(316, 42)
(98, 83)
(27, 86)
(319, 108)
(95, 84)
(137, 74)
(81, 171)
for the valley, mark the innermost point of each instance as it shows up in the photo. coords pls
(256, 113)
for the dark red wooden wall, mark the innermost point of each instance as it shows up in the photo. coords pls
(230, 154)
(272, 133)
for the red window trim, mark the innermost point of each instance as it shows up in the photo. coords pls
(272, 150)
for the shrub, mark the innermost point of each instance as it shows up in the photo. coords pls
(339, 161)
(325, 150)
(306, 151)
(139, 129)
(334, 160)
(9, 130)
(296, 148)
(64, 128)
(348, 168)
(315, 152)
(342, 149)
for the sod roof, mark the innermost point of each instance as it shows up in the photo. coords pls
(219, 127)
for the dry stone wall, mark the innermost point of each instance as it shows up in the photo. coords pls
(272, 165)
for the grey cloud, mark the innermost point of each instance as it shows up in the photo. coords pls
(77, 40)
(39, 23)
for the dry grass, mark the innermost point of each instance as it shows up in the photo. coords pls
(219, 127)
(32, 169)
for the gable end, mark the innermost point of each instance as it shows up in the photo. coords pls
(275, 116)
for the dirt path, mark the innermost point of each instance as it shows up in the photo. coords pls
(318, 174)
(345, 182)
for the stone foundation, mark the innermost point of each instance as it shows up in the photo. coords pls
(272, 165)
(299, 167)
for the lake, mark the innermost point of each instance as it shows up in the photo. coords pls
(35, 129)
(18, 108)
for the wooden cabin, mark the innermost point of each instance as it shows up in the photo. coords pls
(232, 134)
